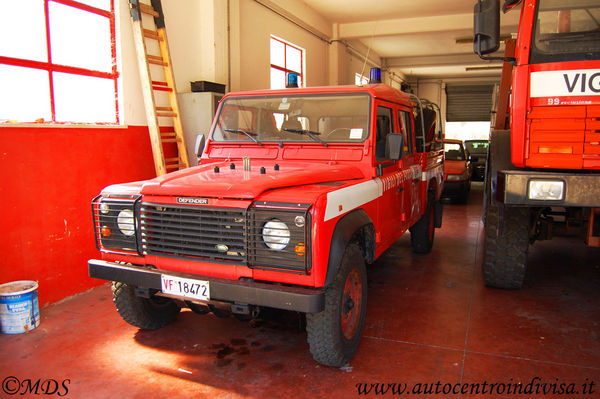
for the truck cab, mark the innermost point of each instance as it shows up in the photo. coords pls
(296, 191)
(543, 174)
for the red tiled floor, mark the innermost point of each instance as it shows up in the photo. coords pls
(429, 321)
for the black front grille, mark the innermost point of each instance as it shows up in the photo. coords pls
(215, 234)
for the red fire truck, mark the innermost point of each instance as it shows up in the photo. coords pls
(296, 191)
(543, 174)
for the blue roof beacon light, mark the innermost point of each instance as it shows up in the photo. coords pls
(292, 80)
(375, 75)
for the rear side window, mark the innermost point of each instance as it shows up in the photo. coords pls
(383, 128)
(406, 126)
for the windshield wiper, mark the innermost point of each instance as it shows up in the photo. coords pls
(312, 135)
(249, 134)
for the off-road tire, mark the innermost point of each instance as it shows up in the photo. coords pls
(145, 313)
(505, 252)
(423, 232)
(334, 333)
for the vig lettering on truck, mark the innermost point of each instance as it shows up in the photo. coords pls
(556, 84)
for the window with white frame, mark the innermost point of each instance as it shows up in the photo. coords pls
(58, 61)
(285, 58)
(360, 80)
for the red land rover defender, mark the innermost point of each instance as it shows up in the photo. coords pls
(296, 191)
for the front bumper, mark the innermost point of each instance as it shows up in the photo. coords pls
(234, 291)
(579, 189)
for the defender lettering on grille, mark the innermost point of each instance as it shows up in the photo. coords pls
(189, 200)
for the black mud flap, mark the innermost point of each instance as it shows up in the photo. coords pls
(438, 212)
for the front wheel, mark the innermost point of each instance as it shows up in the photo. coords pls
(145, 313)
(506, 245)
(334, 333)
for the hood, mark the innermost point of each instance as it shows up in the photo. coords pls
(454, 167)
(204, 181)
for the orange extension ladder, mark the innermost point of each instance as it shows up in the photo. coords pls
(160, 95)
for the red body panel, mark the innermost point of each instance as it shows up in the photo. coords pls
(554, 108)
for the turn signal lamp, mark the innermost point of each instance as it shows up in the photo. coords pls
(375, 75)
(105, 231)
(300, 249)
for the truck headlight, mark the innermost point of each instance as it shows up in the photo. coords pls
(276, 234)
(115, 224)
(549, 190)
(125, 222)
(279, 238)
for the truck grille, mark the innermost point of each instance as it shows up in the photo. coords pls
(212, 234)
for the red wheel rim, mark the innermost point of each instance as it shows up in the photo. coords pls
(351, 304)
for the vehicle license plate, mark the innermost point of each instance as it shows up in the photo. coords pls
(185, 287)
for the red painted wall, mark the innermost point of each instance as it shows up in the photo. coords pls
(48, 177)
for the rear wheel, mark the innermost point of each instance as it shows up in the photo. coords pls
(423, 232)
(146, 313)
(334, 333)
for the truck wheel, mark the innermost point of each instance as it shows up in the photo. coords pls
(423, 232)
(146, 313)
(334, 333)
(505, 255)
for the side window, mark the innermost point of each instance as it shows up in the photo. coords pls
(406, 125)
(383, 128)
(420, 143)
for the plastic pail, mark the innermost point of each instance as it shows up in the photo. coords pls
(19, 308)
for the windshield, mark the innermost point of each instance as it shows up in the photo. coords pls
(477, 146)
(454, 152)
(566, 31)
(303, 118)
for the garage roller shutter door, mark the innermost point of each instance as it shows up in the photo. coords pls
(469, 103)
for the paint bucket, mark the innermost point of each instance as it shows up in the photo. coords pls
(19, 308)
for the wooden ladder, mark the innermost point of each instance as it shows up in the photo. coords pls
(160, 95)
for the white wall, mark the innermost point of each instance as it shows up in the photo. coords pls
(357, 61)
(130, 100)
(227, 42)
(250, 52)
(434, 91)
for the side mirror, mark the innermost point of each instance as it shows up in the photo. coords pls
(199, 145)
(486, 27)
(394, 146)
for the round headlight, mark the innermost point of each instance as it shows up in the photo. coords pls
(125, 222)
(299, 221)
(104, 208)
(276, 234)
